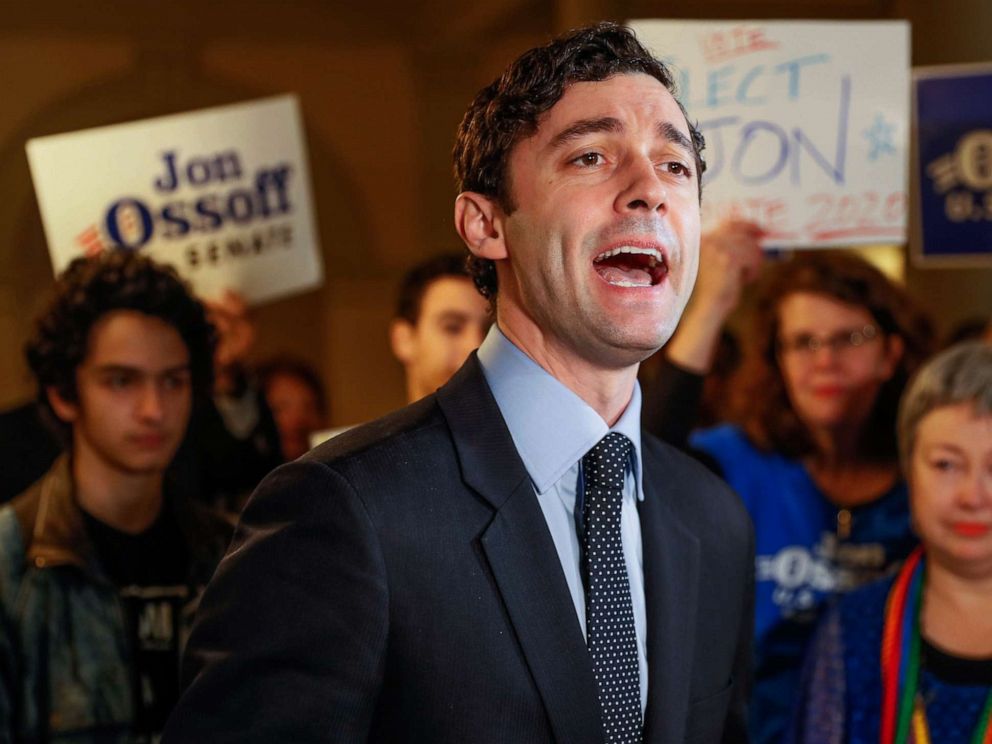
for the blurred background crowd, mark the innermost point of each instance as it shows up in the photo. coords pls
(786, 375)
(382, 94)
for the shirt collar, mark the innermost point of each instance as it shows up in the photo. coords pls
(551, 426)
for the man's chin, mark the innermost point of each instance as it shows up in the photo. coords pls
(640, 345)
(146, 465)
(623, 352)
(635, 355)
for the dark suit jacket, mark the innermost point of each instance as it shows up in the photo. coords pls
(399, 584)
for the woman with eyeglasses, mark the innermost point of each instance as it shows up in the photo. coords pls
(909, 658)
(813, 456)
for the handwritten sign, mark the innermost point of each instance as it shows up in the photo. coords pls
(953, 114)
(806, 123)
(222, 194)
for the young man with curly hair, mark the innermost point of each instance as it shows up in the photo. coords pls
(101, 561)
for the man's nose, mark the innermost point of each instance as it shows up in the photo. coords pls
(150, 406)
(645, 190)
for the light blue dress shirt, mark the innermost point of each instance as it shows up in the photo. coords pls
(552, 428)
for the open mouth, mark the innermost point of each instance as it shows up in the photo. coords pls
(631, 266)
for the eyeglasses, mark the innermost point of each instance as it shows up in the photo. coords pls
(806, 344)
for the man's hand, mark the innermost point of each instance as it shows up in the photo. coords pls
(235, 337)
(730, 257)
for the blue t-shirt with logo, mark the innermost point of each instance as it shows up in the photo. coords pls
(800, 560)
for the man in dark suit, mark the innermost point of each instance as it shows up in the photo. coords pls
(510, 559)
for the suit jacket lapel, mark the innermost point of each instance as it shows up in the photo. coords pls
(671, 584)
(523, 559)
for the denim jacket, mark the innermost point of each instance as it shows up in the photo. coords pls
(64, 653)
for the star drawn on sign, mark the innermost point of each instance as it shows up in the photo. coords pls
(879, 136)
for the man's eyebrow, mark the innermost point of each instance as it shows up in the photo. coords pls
(673, 134)
(666, 130)
(583, 127)
(123, 369)
(452, 315)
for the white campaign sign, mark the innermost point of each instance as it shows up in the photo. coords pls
(222, 194)
(806, 123)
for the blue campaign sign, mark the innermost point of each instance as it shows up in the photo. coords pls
(223, 194)
(953, 110)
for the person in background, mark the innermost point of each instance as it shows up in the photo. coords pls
(231, 443)
(295, 395)
(909, 658)
(440, 319)
(830, 348)
(102, 560)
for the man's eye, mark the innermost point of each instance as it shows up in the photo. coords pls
(588, 159)
(177, 382)
(678, 169)
(119, 382)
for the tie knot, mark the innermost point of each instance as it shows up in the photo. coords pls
(604, 464)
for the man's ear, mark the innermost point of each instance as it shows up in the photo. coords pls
(64, 409)
(401, 339)
(479, 221)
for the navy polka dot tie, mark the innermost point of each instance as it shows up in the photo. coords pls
(610, 632)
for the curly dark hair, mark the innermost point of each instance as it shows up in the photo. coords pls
(765, 409)
(416, 281)
(508, 110)
(88, 289)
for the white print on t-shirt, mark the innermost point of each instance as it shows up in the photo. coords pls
(156, 626)
(802, 575)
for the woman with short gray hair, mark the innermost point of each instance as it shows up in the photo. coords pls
(959, 375)
(909, 658)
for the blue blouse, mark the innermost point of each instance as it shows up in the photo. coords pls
(841, 690)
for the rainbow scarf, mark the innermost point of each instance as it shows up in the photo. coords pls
(904, 719)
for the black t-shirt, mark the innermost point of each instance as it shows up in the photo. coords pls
(955, 670)
(150, 570)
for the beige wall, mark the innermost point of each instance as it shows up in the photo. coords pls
(29, 98)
